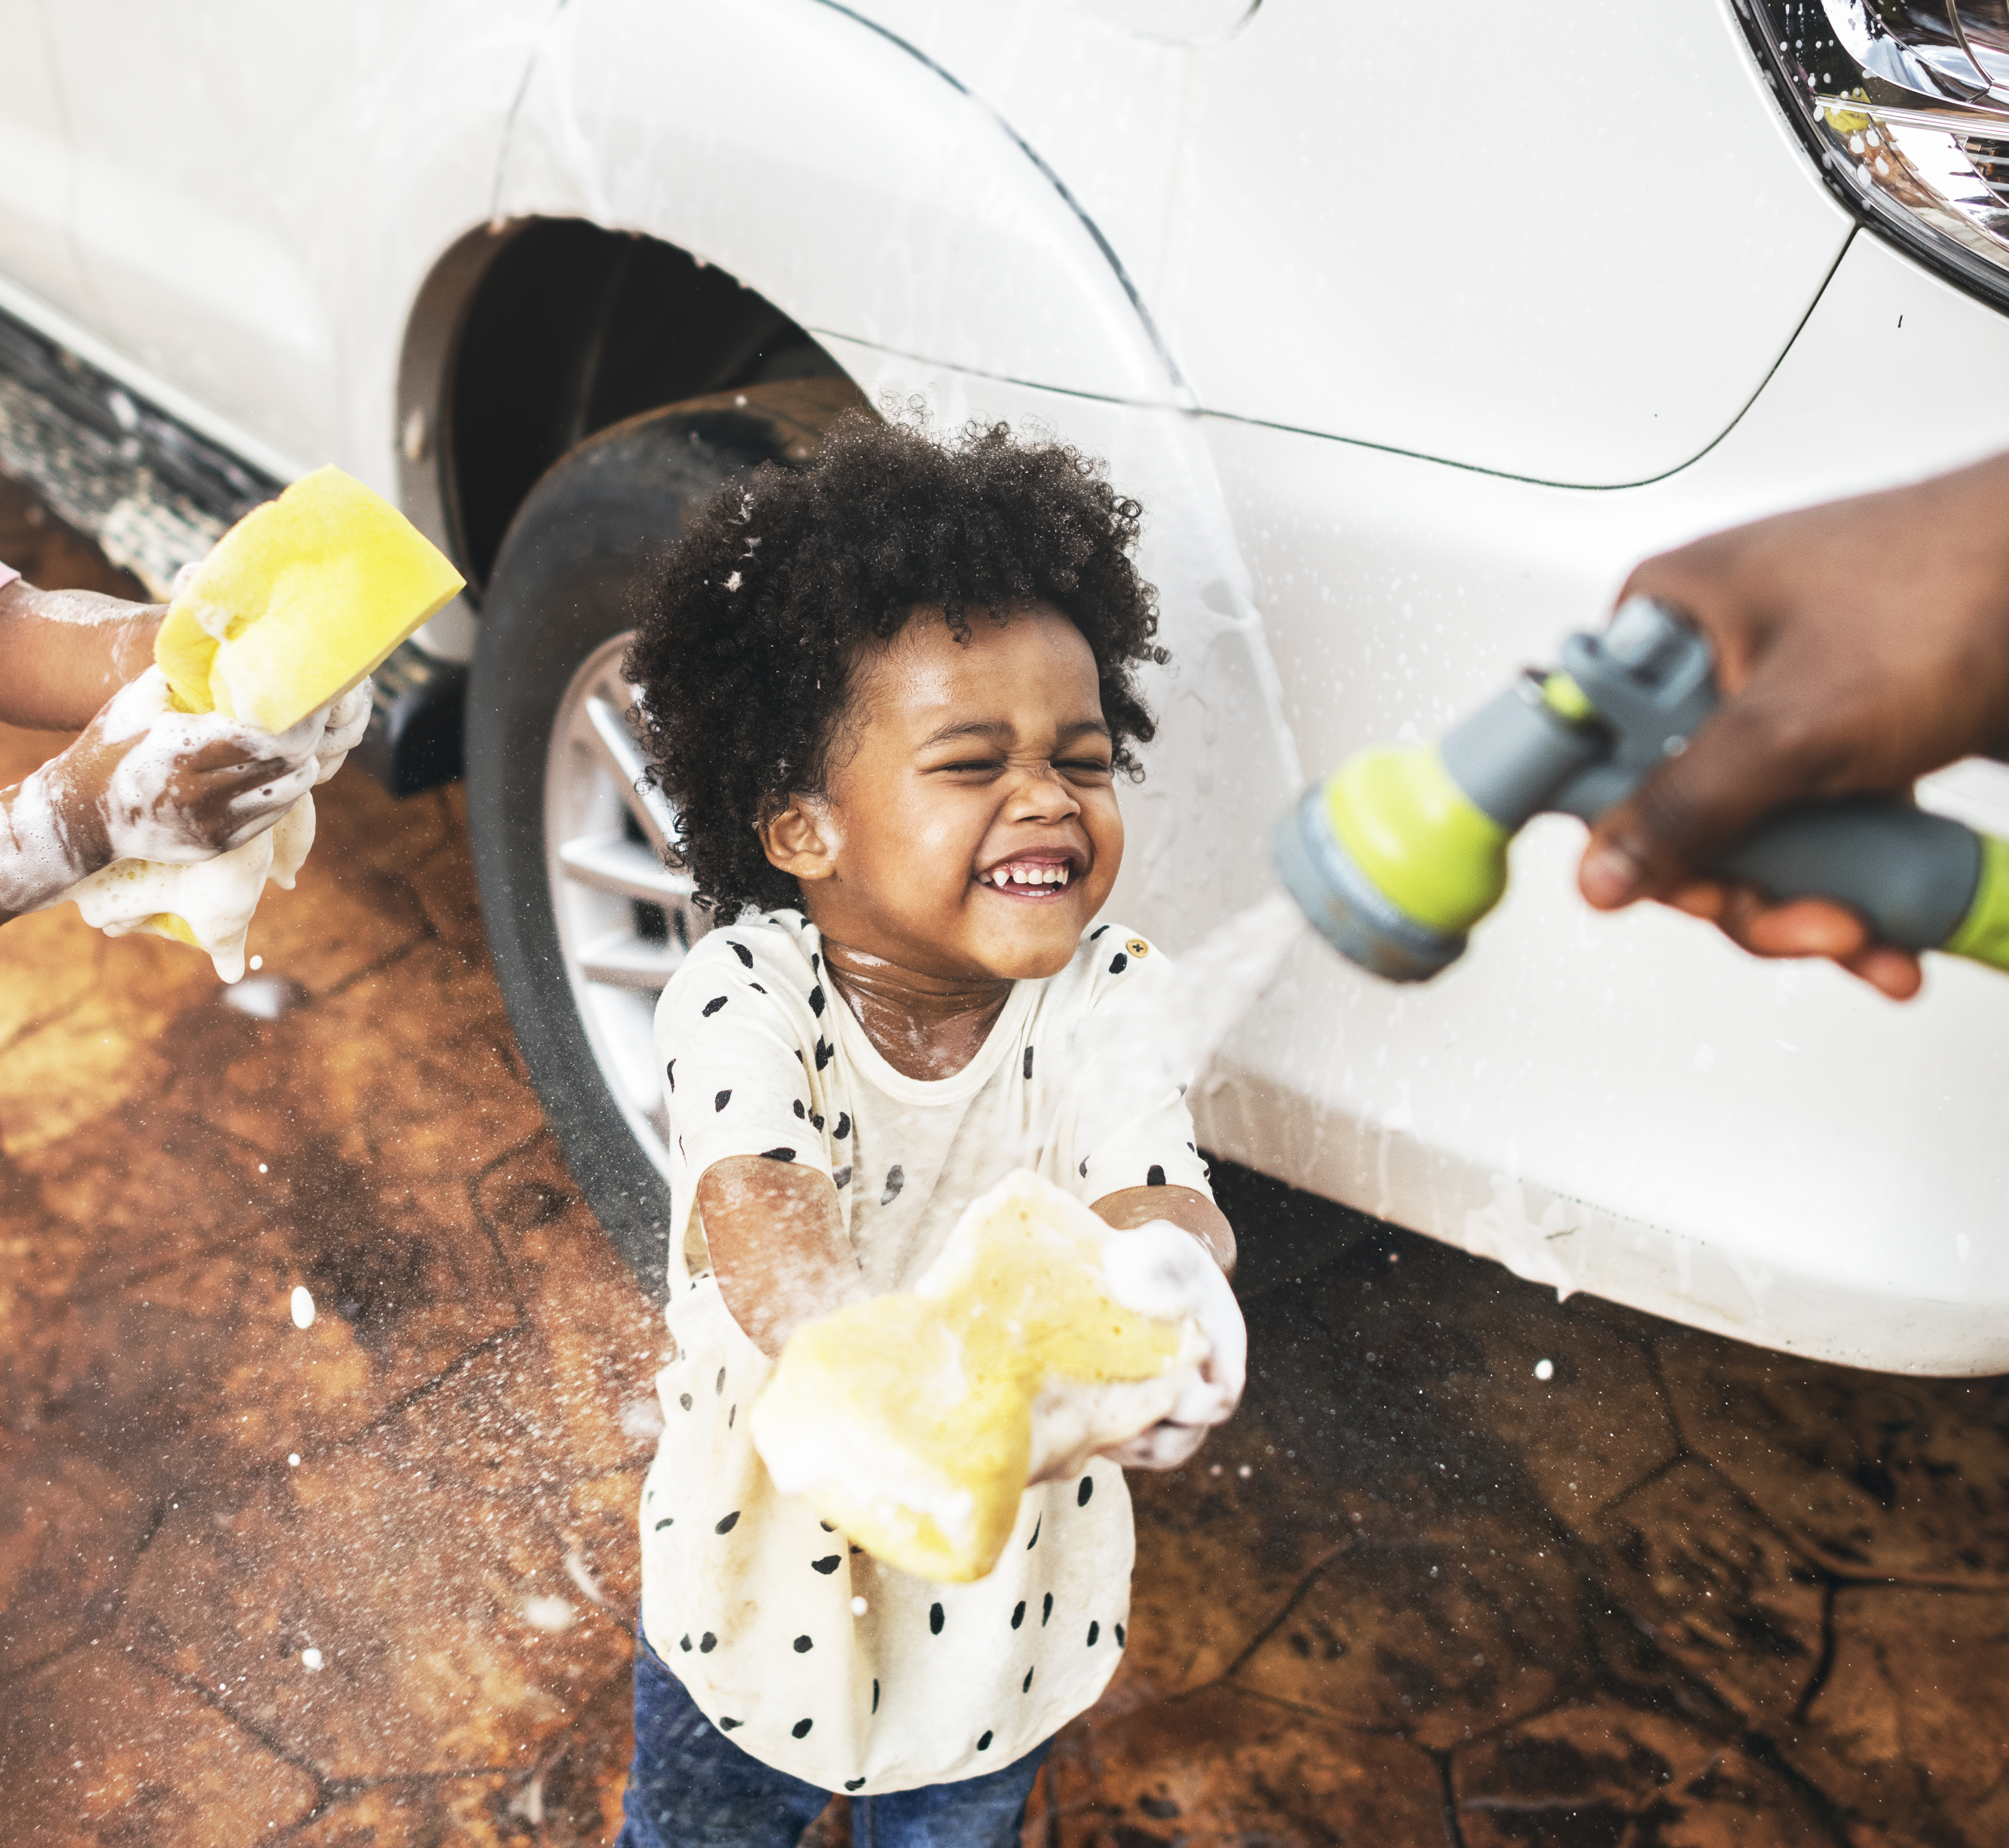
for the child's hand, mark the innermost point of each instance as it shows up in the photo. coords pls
(1160, 1269)
(348, 719)
(146, 782)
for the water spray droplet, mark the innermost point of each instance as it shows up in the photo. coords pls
(310, 1658)
(292, 1459)
(303, 1308)
(1545, 1369)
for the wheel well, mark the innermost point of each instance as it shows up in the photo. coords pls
(562, 328)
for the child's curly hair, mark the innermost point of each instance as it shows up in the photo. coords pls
(747, 641)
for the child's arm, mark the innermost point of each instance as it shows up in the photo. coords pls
(66, 652)
(778, 1246)
(1190, 1210)
(1163, 1275)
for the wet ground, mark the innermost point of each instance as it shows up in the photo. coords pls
(1472, 1567)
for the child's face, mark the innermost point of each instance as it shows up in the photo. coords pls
(959, 762)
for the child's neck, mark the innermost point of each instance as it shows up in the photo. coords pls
(924, 1026)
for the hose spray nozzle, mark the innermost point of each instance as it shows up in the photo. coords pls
(1401, 850)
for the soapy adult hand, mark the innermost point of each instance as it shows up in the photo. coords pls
(1858, 645)
(1160, 1269)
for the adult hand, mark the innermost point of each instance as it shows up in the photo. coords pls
(1858, 645)
(1161, 1270)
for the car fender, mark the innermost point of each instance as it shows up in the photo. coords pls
(895, 207)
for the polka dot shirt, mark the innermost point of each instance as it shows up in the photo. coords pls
(808, 1653)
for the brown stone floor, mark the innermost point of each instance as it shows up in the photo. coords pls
(1683, 1593)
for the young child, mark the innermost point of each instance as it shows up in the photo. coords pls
(889, 696)
(143, 781)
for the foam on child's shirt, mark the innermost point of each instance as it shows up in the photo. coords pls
(913, 1422)
(300, 600)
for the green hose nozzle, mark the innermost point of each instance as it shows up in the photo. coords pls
(1401, 850)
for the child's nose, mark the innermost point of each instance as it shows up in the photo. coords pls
(1043, 795)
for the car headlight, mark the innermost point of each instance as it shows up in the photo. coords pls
(1905, 105)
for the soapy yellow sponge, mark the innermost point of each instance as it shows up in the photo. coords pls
(300, 599)
(912, 1421)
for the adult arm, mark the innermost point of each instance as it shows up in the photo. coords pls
(1860, 645)
(66, 652)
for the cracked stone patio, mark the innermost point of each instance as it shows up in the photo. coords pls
(1681, 1593)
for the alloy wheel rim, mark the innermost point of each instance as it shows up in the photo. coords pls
(625, 919)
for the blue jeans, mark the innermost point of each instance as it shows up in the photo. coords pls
(690, 1786)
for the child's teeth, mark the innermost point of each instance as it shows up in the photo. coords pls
(1003, 876)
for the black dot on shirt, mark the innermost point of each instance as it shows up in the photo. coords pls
(801, 1727)
(804, 1645)
(712, 1005)
(1119, 1635)
(1083, 1170)
(829, 1565)
(934, 1620)
(778, 1155)
(669, 1522)
(1094, 1634)
(721, 1100)
(827, 1527)
(825, 1053)
(726, 1726)
(730, 1416)
(1029, 1061)
(1118, 964)
(875, 1696)
(670, 1072)
(895, 1179)
(1019, 1613)
(843, 1125)
(815, 999)
(1096, 931)
(983, 1745)
(707, 1643)
(1035, 1540)
(740, 951)
(729, 1523)
(1086, 1489)
(1026, 1685)
(1154, 1176)
(1046, 1610)
(756, 988)
(816, 1122)
(718, 1385)
(684, 1643)
(854, 1783)
(802, 1109)
(840, 1177)
(684, 1399)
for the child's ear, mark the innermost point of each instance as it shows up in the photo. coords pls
(802, 840)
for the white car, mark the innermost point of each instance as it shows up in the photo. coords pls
(1411, 331)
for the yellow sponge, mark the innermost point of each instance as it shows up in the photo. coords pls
(301, 598)
(912, 1421)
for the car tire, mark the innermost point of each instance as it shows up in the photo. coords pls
(565, 843)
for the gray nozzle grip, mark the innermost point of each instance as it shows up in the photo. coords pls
(1912, 875)
(1513, 754)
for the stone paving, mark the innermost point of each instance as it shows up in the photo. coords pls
(1677, 1594)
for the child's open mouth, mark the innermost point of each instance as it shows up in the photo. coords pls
(1034, 877)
